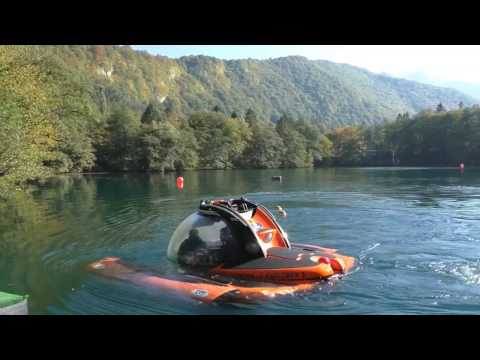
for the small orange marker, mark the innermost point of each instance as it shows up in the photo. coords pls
(180, 183)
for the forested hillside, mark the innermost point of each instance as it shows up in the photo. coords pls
(329, 93)
(108, 108)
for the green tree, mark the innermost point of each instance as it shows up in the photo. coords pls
(349, 145)
(208, 130)
(118, 148)
(434, 138)
(265, 148)
(76, 113)
(158, 144)
(187, 149)
(172, 109)
(250, 117)
(295, 152)
(325, 149)
(220, 140)
(319, 148)
(28, 133)
(152, 114)
(235, 134)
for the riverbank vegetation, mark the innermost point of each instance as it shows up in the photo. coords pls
(54, 120)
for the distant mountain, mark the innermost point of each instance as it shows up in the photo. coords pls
(468, 88)
(333, 94)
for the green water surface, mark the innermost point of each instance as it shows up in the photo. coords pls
(415, 232)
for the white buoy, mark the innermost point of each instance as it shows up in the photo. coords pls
(281, 211)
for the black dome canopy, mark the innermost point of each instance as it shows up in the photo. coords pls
(208, 239)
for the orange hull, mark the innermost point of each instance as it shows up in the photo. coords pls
(291, 266)
(198, 289)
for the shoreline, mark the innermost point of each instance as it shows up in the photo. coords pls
(418, 167)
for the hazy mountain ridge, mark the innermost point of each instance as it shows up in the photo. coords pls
(334, 94)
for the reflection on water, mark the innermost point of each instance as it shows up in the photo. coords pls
(416, 233)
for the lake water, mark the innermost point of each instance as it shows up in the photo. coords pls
(414, 231)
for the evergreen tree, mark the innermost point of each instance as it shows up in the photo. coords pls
(404, 116)
(440, 107)
(318, 146)
(118, 148)
(208, 130)
(295, 152)
(284, 125)
(159, 147)
(151, 114)
(265, 148)
(250, 116)
(187, 149)
(172, 109)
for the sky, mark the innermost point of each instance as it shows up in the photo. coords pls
(443, 65)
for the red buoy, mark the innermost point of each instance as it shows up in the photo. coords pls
(180, 183)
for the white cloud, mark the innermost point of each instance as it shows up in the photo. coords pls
(437, 62)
